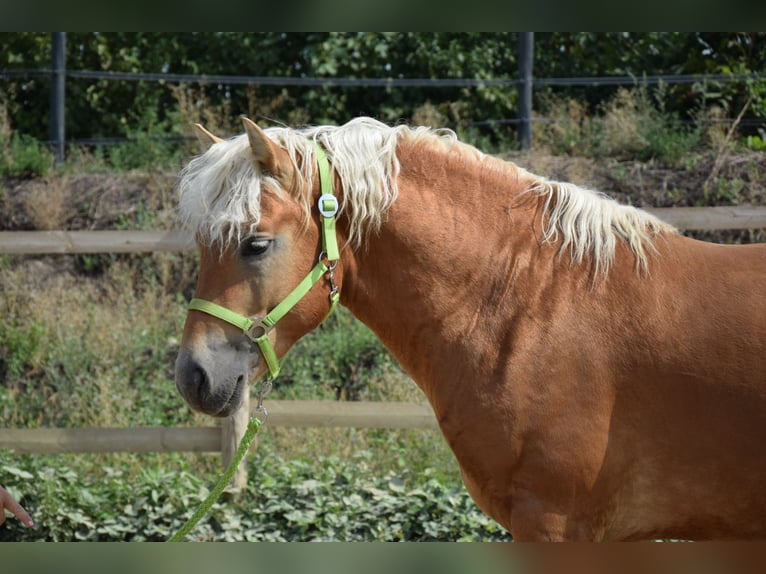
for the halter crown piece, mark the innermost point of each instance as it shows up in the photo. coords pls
(257, 328)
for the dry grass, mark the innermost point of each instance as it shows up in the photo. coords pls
(5, 120)
(618, 129)
(567, 134)
(82, 345)
(429, 115)
(48, 202)
(195, 108)
(622, 124)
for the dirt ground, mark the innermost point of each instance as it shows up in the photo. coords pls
(147, 200)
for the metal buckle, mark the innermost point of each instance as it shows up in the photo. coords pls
(263, 389)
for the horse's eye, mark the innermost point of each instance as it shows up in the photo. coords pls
(255, 246)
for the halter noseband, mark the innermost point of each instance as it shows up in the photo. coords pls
(257, 328)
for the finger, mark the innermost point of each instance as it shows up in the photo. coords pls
(19, 512)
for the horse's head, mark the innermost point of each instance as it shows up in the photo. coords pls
(253, 207)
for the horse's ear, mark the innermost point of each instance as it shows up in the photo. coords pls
(267, 154)
(206, 139)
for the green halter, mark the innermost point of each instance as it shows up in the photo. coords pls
(257, 328)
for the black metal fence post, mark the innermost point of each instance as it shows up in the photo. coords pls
(58, 93)
(526, 58)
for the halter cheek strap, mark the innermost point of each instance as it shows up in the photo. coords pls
(258, 328)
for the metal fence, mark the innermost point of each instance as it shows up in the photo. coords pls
(524, 81)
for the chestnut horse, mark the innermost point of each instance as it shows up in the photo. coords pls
(597, 375)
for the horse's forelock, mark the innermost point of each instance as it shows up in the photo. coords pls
(220, 191)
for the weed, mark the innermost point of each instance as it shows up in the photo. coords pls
(325, 498)
(85, 159)
(567, 133)
(22, 345)
(96, 351)
(23, 156)
(757, 143)
(47, 202)
(632, 124)
(145, 150)
(195, 107)
(724, 191)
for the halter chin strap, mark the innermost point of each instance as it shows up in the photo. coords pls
(258, 328)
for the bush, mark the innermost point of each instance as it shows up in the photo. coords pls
(330, 500)
(23, 156)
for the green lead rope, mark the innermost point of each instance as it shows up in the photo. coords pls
(252, 429)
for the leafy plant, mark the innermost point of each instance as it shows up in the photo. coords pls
(332, 500)
(757, 142)
(153, 150)
(23, 156)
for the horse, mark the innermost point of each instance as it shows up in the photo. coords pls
(598, 375)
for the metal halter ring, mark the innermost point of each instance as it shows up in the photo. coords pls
(331, 265)
(328, 212)
(258, 329)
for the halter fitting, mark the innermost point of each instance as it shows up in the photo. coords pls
(257, 328)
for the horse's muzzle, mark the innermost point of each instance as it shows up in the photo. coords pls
(218, 393)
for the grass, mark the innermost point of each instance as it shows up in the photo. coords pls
(95, 350)
(22, 156)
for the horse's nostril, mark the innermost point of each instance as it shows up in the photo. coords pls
(199, 386)
(192, 381)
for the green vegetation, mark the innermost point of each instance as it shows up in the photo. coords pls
(147, 110)
(330, 499)
(85, 350)
(22, 156)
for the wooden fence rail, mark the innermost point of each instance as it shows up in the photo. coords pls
(42, 242)
(713, 218)
(74, 242)
(326, 414)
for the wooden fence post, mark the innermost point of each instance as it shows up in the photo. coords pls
(232, 431)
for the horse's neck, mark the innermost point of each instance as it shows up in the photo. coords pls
(443, 263)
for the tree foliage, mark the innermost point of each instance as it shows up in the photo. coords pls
(117, 108)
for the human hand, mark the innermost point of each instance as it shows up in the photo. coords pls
(7, 501)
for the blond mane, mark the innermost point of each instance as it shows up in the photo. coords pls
(220, 190)
(589, 224)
